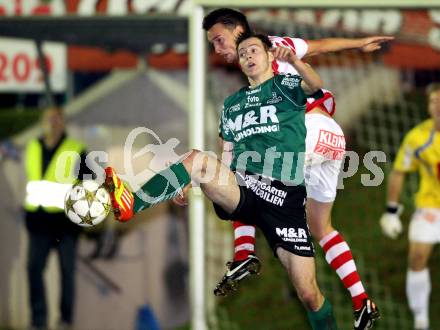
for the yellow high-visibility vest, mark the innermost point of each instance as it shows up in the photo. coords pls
(48, 190)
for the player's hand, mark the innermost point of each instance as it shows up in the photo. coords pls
(391, 225)
(371, 44)
(181, 199)
(284, 54)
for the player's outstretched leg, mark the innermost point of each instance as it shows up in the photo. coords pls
(161, 187)
(244, 264)
(339, 257)
(216, 181)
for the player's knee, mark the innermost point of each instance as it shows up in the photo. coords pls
(316, 230)
(191, 156)
(318, 218)
(308, 292)
(197, 163)
(320, 229)
(318, 224)
(309, 296)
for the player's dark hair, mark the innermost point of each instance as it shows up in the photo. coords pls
(262, 37)
(432, 88)
(228, 17)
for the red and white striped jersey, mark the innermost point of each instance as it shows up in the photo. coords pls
(300, 47)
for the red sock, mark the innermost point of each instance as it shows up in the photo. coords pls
(339, 257)
(244, 240)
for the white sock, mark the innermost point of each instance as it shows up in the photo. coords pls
(418, 289)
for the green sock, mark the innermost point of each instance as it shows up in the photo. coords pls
(323, 318)
(161, 187)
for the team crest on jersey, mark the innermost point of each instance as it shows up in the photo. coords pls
(290, 81)
(275, 99)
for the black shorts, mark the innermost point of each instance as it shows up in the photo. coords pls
(278, 210)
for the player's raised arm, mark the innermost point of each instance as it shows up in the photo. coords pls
(311, 82)
(368, 44)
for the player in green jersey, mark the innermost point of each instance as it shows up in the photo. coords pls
(265, 121)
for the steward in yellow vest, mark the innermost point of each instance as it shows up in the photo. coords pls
(52, 163)
(47, 188)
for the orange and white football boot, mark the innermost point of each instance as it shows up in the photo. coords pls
(121, 196)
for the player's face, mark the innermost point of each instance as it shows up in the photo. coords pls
(223, 41)
(434, 104)
(254, 59)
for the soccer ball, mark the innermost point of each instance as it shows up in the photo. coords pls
(87, 203)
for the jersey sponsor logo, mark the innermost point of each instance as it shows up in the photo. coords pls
(265, 191)
(330, 145)
(253, 98)
(252, 101)
(256, 130)
(234, 108)
(253, 91)
(290, 82)
(295, 235)
(275, 99)
(302, 248)
(245, 125)
(251, 105)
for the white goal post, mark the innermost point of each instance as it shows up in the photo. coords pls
(197, 93)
